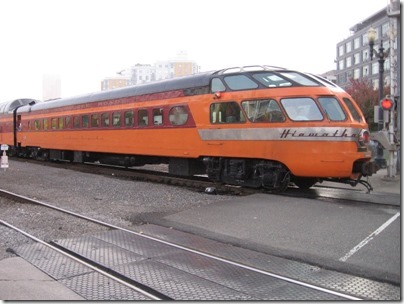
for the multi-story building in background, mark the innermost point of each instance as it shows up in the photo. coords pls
(114, 82)
(353, 55)
(160, 70)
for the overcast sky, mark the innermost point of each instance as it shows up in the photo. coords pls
(84, 41)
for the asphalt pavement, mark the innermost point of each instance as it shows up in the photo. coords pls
(302, 229)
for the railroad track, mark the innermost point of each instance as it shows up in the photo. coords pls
(159, 174)
(191, 284)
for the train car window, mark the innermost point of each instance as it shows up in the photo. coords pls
(217, 85)
(84, 121)
(129, 119)
(301, 109)
(158, 116)
(68, 120)
(116, 119)
(178, 115)
(332, 108)
(354, 112)
(226, 112)
(37, 124)
(240, 82)
(45, 124)
(271, 80)
(300, 79)
(263, 110)
(61, 123)
(54, 123)
(95, 120)
(76, 122)
(143, 117)
(105, 119)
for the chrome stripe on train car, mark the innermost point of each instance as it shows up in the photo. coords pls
(290, 134)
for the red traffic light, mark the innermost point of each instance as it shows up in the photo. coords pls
(387, 104)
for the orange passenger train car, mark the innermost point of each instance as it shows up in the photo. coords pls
(255, 126)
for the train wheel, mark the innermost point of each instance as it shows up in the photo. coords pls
(304, 182)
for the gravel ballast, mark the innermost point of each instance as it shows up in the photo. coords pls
(119, 202)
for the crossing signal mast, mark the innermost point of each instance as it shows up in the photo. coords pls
(386, 137)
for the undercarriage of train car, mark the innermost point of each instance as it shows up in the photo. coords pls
(253, 173)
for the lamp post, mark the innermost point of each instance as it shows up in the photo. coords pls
(381, 55)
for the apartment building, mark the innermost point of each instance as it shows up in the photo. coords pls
(353, 53)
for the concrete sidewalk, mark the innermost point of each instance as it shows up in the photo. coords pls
(21, 281)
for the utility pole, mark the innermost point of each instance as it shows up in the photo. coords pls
(393, 11)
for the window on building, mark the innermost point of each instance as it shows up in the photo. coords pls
(348, 47)
(341, 64)
(385, 28)
(365, 55)
(356, 43)
(348, 62)
(356, 58)
(375, 68)
(365, 71)
(375, 84)
(341, 50)
(365, 40)
(226, 112)
(356, 73)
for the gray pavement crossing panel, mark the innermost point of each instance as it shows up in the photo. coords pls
(182, 275)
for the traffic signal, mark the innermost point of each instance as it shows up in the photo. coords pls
(387, 103)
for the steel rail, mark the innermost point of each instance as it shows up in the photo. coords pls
(254, 269)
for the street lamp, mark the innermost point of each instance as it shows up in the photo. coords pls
(381, 55)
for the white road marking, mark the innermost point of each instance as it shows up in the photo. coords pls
(369, 238)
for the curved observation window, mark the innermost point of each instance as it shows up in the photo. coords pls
(332, 108)
(226, 112)
(301, 109)
(240, 82)
(217, 86)
(263, 110)
(355, 114)
(178, 115)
